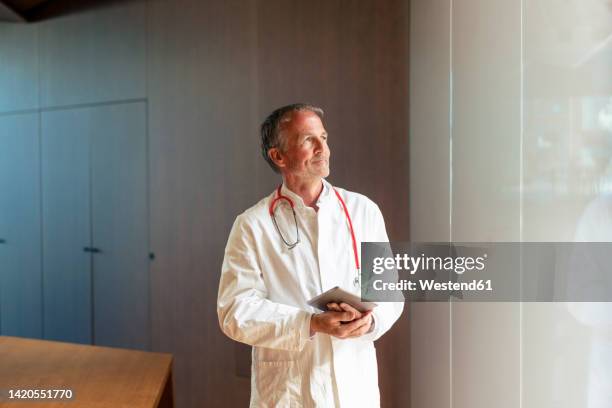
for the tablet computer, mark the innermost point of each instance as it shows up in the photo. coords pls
(339, 295)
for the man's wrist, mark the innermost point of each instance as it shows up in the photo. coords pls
(372, 325)
(313, 330)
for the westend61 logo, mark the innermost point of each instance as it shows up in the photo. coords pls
(413, 264)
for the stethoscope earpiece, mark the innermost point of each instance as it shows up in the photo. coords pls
(297, 230)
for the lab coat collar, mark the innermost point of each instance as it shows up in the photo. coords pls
(297, 199)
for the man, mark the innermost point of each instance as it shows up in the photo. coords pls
(298, 242)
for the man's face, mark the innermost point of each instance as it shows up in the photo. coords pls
(304, 153)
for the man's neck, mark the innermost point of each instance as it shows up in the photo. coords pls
(309, 190)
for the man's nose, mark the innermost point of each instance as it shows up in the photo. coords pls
(319, 145)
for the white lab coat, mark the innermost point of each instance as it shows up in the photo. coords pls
(262, 299)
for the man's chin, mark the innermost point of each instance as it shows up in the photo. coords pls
(323, 169)
(324, 172)
(319, 171)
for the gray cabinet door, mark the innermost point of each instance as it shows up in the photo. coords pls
(120, 226)
(20, 252)
(66, 225)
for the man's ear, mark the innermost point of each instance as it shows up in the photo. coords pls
(277, 157)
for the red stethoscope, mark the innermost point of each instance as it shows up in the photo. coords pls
(292, 245)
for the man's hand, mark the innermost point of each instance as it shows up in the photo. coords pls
(342, 321)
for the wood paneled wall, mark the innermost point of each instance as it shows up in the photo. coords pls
(215, 70)
(210, 71)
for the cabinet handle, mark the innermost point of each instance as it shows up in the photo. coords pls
(92, 250)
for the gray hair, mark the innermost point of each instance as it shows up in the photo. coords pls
(270, 128)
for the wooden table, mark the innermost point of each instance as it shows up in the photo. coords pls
(98, 376)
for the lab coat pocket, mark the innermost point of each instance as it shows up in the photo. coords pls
(277, 383)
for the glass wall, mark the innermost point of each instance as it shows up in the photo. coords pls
(511, 140)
